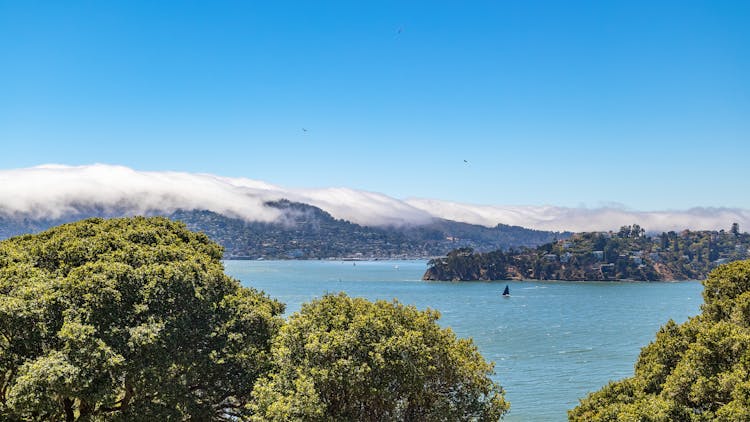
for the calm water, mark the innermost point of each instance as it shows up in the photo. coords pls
(552, 342)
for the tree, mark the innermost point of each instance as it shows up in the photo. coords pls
(664, 241)
(696, 371)
(347, 359)
(127, 319)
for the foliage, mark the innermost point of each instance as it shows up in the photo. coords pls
(348, 359)
(696, 371)
(626, 254)
(127, 319)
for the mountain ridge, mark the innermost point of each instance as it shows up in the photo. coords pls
(307, 232)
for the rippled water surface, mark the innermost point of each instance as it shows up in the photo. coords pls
(552, 342)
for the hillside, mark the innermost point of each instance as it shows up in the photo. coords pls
(624, 255)
(307, 232)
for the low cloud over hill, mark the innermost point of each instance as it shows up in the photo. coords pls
(52, 191)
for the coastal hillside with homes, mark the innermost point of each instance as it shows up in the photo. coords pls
(628, 254)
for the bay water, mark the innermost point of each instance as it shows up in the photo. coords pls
(552, 342)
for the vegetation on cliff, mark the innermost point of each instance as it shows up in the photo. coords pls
(696, 371)
(628, 254)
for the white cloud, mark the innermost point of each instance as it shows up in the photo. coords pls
(368, 208)
(585, 219)
(55, 190)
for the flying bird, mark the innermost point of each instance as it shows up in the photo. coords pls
(304, 130)
(466, 162)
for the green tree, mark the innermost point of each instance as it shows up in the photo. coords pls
(348, 359)
(697, 371)
(127, 319)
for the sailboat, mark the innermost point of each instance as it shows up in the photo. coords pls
(506, 292)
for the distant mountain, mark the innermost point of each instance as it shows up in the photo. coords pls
(625, 255)
(307, 232)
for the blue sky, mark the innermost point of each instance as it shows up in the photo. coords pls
(646, 104)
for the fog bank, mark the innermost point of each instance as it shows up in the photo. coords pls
(52, 191)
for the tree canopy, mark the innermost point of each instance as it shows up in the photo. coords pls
(127, 319)
(696, 371)
(348, 359)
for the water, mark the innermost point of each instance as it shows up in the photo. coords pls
(552, 342)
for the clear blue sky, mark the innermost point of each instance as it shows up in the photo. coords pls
(644, 103)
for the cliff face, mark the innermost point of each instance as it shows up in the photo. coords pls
(625, 255)
(465, 264)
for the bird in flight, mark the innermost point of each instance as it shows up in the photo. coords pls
(304, 130)
(466, 162)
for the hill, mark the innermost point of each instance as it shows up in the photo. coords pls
(624, 255)
(307, 232)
